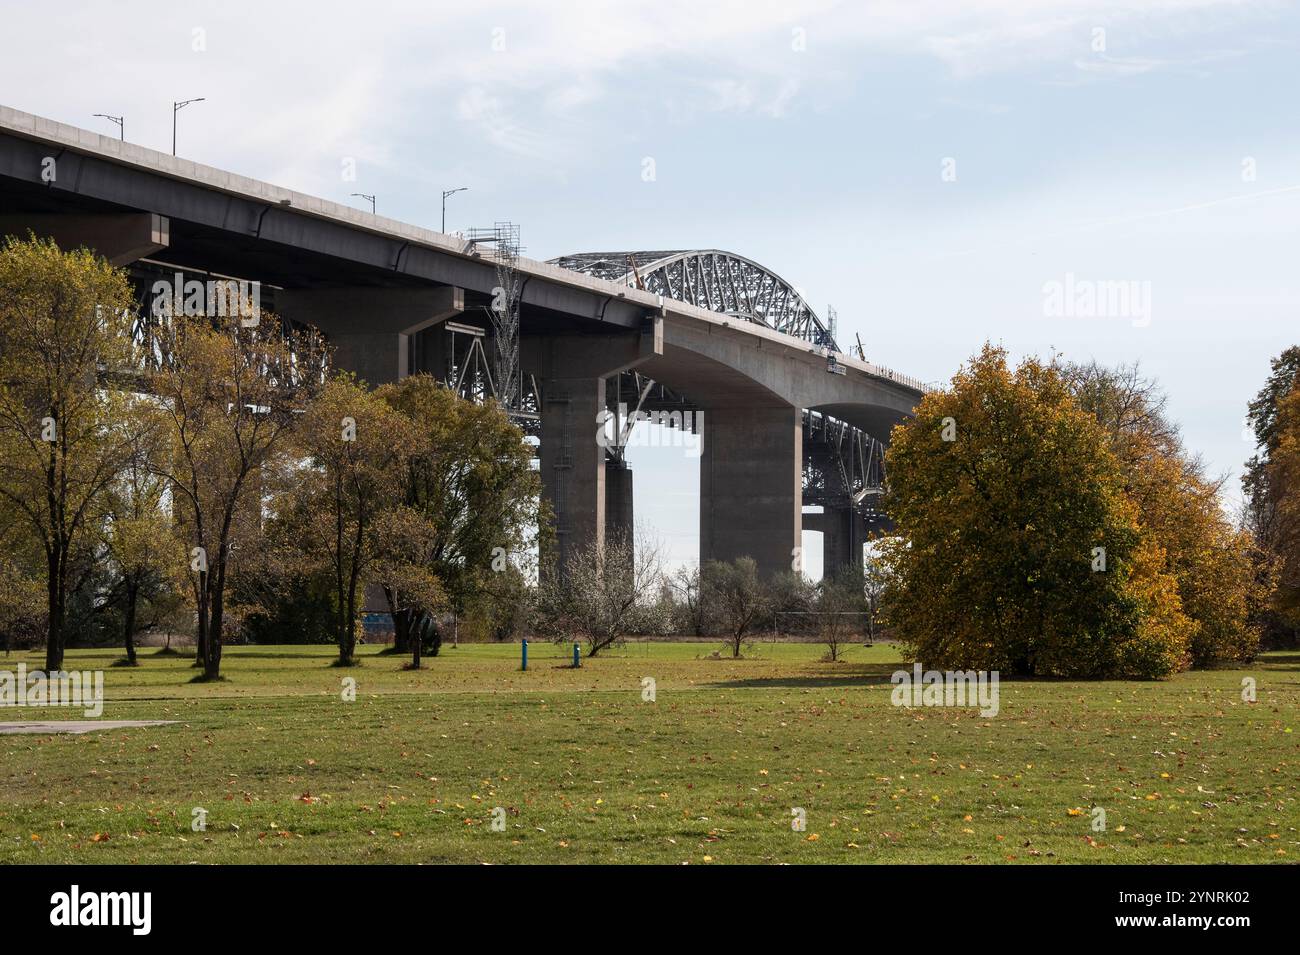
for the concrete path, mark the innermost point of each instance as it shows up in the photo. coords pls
(77, 726)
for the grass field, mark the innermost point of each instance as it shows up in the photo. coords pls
(708, 773)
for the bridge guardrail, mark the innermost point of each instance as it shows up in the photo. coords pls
(882, 371)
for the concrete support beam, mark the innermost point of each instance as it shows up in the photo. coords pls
(592, 356)
(573, 462)
(619, 512)
(122, 238)
(814, 522)
(429, 352)
(370, 329)
(620, 521)
(751, 486)
(572, 370)
(842, 541)
(844, 532)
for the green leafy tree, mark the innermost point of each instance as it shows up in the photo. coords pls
(1281, 478)
(469, 477)
(405, 568)
(231, 393)
(65, 320)
(282, 603)
(356, 449)
(22, 597)
(140, 541)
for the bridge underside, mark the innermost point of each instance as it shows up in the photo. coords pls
(775, 432)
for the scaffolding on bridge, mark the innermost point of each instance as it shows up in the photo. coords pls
(507, 380)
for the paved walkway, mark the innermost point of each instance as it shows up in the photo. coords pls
(77, 726)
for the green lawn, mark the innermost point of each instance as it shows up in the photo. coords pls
(587, 772)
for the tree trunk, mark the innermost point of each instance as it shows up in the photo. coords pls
(401, 623)
(203, 621)
(342, 632)
(347, 637)
(401, 632)
(132, 590)
(201, 633)
(417, 648)
(341, 636)
(212, 658)
(54, 632)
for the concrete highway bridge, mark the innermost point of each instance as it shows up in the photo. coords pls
(788, 420)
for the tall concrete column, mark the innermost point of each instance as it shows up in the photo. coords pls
(572, 370)
(370, 329)
(751, 486)
(619, 516)
(841, 540)
(573, 462)
(619, 512)
(429, 352)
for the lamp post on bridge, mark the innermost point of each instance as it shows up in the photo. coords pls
(371, 199)
(176, 108)
(445, 194)
(119, 120)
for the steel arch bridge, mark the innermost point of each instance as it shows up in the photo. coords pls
(710, 278)
(843, 466)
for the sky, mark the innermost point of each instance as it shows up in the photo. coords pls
(943, 173)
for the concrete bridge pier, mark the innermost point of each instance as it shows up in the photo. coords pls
(619, 512)
(619, 519)
(751, 486)
(573, 463)
(575, 480)
(842, 540)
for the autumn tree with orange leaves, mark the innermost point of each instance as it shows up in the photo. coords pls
(1016, 547)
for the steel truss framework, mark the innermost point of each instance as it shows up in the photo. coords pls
(152, 334)
(713, 279)
(472, 370)
(472, 363)
(843, 466)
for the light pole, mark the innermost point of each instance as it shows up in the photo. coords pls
(362, 195)
(445, 194)
(176, 108)
(121, 123)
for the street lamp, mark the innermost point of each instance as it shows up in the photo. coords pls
(445, 194)
(121, 123)
(362, 195)
(176, 108)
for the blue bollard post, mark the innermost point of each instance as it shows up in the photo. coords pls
(577, 660)
(523, 649)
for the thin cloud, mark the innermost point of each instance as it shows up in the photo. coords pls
(1097, 224)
